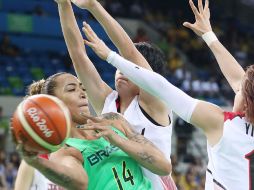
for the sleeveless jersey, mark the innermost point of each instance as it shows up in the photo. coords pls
(108, 167)
(40, 182)
(231, 161)
(160, 136)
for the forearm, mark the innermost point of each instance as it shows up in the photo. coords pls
(116, 33)
(146, 154)
(156, 85)
(230, 68)
(71, 32)
(27, 172)
(60, 174)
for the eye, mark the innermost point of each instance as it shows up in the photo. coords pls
(71, 90)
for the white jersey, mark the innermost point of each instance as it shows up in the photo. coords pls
(231, 161)
(160, 136)
(40, 182)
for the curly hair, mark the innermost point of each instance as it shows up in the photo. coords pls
(248, 94)
(44, 86)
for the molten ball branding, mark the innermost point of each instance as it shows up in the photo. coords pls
(39, 122)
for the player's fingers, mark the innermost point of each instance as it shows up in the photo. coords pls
(90, 44)
(94, 119)
(194, 9)
(206, 5)
(91, 126)
(188, 25)
(87, 33)
(90, 30)
(200, 6)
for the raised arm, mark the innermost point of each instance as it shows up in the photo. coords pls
(97, 90)
(148, 102)
(230, 68)
(204, 115)
(114, 30)
(135, 145)
(24, 177)
(65, 168)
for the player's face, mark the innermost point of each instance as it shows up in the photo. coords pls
(72, 93)
(124, 85)
(238, 102)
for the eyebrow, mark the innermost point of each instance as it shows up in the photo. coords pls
(71, 84)
(74, 84)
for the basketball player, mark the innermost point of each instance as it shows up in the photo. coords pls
(230, 135)
(148, 115)
(234, 74)
(89, 161)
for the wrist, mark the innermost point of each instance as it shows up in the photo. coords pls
(32, 161)
(209, 37)
(110, 57)
(93, 6)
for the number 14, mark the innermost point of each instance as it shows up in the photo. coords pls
(126, 178)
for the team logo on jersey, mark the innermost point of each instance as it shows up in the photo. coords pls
(101, 154)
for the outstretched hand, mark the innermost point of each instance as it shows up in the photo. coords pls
(98, 46)
(102, 127)
(202, 17)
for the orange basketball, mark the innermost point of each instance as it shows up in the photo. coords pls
(41, 122)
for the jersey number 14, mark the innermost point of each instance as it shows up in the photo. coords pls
(127, 176)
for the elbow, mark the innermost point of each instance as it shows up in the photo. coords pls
(83, 185)
(165, 169)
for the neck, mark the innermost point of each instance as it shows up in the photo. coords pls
(125, 100)
(75, 133)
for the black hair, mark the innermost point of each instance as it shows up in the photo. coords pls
(153, 55)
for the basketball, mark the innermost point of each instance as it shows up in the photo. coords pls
(42, 123)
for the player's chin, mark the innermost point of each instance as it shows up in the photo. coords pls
(122, 87)
(84, 109)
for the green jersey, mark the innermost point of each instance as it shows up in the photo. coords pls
(108, 167)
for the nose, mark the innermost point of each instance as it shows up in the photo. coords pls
(82, 94)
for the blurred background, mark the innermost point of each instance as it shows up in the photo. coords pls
(32, 47)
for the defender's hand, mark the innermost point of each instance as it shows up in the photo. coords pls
(98, 46)
(202, 16)
(84, 4)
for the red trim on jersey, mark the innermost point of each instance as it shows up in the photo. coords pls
(168, 183)
(232, 115)
(45, 156)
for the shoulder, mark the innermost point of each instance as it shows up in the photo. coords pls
(66, 152)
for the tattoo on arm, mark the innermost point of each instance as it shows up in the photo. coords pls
(139, 139)
(111, 116)
(146, 157)
(59, 178)
(133, 136)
